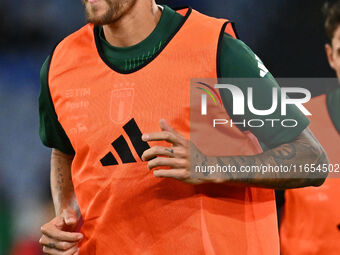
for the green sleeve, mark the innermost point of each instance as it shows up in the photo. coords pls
(239, 61)
(6, 226)
(51, 132)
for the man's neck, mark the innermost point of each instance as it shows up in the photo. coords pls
(134, 26)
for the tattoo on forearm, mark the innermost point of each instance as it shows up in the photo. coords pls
(204, 164)
(60, 175)
(221, 163)
(304, 150)
(61, 180)
(284, 152)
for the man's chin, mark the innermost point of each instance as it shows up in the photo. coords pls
(98, 22)
(98, 19)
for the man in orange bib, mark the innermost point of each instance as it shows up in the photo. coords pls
(311, 216)
(113, 93)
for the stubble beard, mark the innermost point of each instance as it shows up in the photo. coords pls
(115, 10)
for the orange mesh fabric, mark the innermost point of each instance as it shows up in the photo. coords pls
(125, 209)
(311, 215)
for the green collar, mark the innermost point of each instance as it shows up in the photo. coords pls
(333, 106)
(128, 58)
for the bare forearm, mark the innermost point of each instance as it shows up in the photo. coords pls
(61, 182)
(305, 150)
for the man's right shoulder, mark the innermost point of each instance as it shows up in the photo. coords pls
(77, 37)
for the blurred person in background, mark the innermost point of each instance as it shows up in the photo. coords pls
(93, 111)
(311, 216)
(6, 224)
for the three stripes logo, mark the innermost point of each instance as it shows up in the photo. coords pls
(122, 148)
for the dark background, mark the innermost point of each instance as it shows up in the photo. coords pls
(287, 35)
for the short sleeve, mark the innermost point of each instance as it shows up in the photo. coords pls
(239, 61)
(51, 132)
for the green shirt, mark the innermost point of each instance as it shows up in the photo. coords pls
(236, 61)
(333, 106)
(6, 226)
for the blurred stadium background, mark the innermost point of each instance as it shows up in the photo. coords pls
(287, 35)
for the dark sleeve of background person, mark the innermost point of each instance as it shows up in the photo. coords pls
(5, 225)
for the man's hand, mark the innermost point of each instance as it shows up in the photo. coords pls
(58, 236)
(305, 149)
(176, 157)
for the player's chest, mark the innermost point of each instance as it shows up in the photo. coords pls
(98, 109)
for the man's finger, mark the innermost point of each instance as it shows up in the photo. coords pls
(60, 235)
(161, 136)
(170, 162)
(165, 126)
(51, 251)
(59, 221)
(178, 174)
(70, 218)
(157, 151)
(51, 243)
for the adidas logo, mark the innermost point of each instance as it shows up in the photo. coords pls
(122, 148)
(263, 69)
